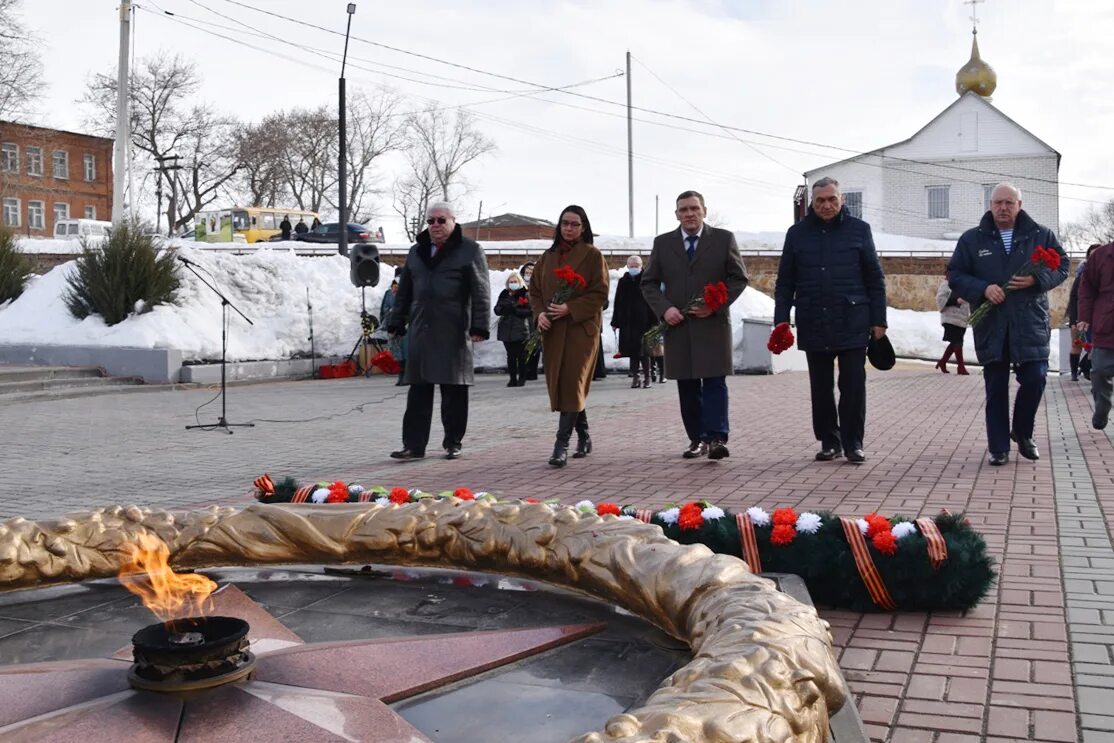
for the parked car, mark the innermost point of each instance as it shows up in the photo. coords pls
(75, 229)
(329, 232)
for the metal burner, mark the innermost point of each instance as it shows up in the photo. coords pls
(197, 653)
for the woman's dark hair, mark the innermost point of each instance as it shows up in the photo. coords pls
(586, 235)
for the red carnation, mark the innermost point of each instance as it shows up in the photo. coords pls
(399, 495)
(523, 300)
(605, 508)
(876, 524)
(691, 516)
(885, 542)
(531, 500)
(781, 338)
(464, 494)
(338, 493)
(784, 516)
(782, 535)
(571, 278)
(715, 295)
(1046, 256)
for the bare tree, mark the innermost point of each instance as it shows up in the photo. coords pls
(446, 144)
(261, 148)
(21, 71)
(374, 129)
(414, 192)
(1095, 226)
(164, 122)
(716, 219)
(309, 158)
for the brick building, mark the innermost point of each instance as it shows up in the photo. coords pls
(47, 175)
(509, 227)
(937, 183)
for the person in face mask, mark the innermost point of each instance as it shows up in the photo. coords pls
(513, 309)
(632, 317)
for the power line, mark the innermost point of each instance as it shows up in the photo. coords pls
(655, 112)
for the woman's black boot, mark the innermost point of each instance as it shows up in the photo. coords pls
(565, 425)
(583, 440)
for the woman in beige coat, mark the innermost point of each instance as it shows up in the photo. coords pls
(570, 329)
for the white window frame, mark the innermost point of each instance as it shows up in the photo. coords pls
(938, 213)
(90, 212)
(854, 192)
(6, 204)
(987, 196)
(35, 158)
(61, 211)
(65, 164)
(9, 157)
(90, 163)
(36, 215)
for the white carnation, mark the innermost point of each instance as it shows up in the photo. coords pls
(808, 523)
(669, 515)
(758, 517)
(586, 506)
(904, 529)
(319, 495)
(382, 501)
(711, 513)
(624, 517)
(355, 489)
(864, 527)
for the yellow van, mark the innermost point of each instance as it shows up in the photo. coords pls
(254, 223)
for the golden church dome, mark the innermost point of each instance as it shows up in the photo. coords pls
(976, 75)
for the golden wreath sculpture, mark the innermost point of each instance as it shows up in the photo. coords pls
(762, 668)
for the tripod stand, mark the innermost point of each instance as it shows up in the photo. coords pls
(365, 346)
(224, 305)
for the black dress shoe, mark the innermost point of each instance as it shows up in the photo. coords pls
(696, 450)
(856, 456)
(997, 459)
(453, 452)
(827, 455)
(406, 454)
(583, 447)
(1026, 447)
(718, 450)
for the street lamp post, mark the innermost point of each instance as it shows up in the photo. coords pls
(342, 166)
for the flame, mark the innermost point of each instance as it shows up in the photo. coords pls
(168, 595)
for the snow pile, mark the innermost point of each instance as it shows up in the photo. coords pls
(275, 287)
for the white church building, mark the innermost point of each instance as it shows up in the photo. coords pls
(937, 183)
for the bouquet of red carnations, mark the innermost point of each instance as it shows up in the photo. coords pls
(781, 338)
(570, 283)
(1043, 258)
(713, 297)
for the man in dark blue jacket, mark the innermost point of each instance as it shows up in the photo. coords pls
(830, 272)
(984, 269)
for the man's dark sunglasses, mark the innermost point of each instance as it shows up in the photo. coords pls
(438, 220)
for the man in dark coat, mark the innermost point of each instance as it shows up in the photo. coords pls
(698, 348)
(632, 317)
(830, 272)
(444, 295)
(301, 228)
(1096, 314)
(1016, 333)
(1078, 337)
(284, 227)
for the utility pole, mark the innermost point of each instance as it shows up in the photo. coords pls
(123, 121)
(656, 214)
(630, 154)
(479, 218)
(343, 160)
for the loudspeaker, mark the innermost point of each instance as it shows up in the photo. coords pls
(364, 260)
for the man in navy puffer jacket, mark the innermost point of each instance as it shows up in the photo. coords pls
(1017, 331)
(830, 272)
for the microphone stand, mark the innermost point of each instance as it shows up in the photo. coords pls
(224, 305)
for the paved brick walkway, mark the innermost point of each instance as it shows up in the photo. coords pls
(1032, 663)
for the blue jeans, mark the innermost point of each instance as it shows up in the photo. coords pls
(1031, 379)
(704, 408)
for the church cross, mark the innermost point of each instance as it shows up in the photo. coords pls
(974, 13)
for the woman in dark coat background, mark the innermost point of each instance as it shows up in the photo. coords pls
(570, 330)
(1077, 339)
(632, 317)
(526, 270)
(513, 309)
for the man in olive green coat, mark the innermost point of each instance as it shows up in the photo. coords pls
(698, 347)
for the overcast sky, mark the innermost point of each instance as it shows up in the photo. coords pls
(853, 74)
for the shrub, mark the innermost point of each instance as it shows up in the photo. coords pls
(125, 274)
(14, 267)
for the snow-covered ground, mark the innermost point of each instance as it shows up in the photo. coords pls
(275, 288)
